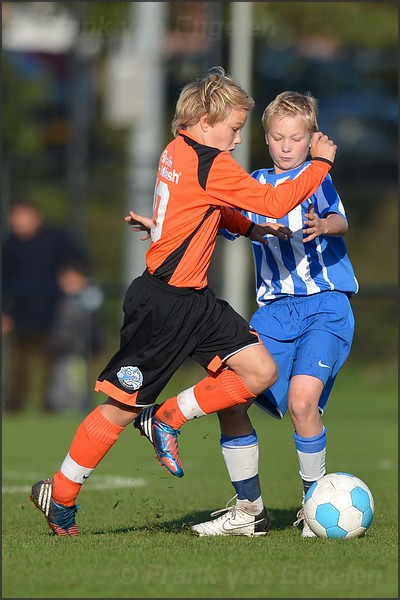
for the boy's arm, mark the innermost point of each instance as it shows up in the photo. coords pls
(235, 222)
(229, 184)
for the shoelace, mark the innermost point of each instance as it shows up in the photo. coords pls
(227, 508)
(300, 517)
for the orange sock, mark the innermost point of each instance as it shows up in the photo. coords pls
(93, 439)
(209, 395)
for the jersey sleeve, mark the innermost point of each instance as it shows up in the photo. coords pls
(328, 200)
(234, 221)
(229, 184)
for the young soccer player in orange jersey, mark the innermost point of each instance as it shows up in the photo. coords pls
(170, 313)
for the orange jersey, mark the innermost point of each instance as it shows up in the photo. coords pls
(197, 187)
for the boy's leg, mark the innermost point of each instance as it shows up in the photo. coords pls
(240, 444)
(309, 436)
(311, 452)
(250, 372)
(240, 451)
(93, 439)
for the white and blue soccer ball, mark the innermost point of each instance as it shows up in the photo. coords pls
(339, 505)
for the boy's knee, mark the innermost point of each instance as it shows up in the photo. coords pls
(301, 408)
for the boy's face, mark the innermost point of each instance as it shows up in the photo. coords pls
(288, 142)
(72, 281)
(226, 134)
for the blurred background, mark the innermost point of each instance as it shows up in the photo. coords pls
(89, 91)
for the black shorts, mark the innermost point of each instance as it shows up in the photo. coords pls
(163, 325)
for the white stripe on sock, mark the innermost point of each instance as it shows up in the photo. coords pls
(312, 465)
(73, 471)
(188, 405)
(241, 461)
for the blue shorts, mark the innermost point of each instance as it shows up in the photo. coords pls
(306, 335)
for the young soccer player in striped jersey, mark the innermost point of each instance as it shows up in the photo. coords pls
(170, 313)
(303, 286)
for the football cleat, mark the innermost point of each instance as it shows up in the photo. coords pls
(61, 519)
(234, 521)
(307, 532)
(163, 437)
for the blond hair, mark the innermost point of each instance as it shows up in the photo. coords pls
(291, 104)
(214, 94)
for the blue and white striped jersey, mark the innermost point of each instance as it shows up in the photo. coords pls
(291, 267)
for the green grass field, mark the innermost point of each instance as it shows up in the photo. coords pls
(135, 517)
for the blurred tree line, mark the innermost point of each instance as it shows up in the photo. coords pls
(62, 152)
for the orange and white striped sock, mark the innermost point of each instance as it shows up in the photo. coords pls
(211, 394)
(93, 439)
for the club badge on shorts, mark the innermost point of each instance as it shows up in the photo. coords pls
(130, 377)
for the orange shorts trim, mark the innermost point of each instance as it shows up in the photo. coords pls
(114, 392)
(214, 365)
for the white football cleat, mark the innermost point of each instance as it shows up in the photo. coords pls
(234, 521)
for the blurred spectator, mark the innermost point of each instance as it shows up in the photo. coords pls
(33, 252)
(75, 338)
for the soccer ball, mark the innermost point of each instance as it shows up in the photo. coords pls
(339, 505)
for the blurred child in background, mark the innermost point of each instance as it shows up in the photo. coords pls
(75, 338)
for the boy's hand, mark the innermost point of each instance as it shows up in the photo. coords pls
(261, 229)
(139, 223)
(322, 146)
(314, 226)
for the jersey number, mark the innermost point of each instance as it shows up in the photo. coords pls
(161, 197)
